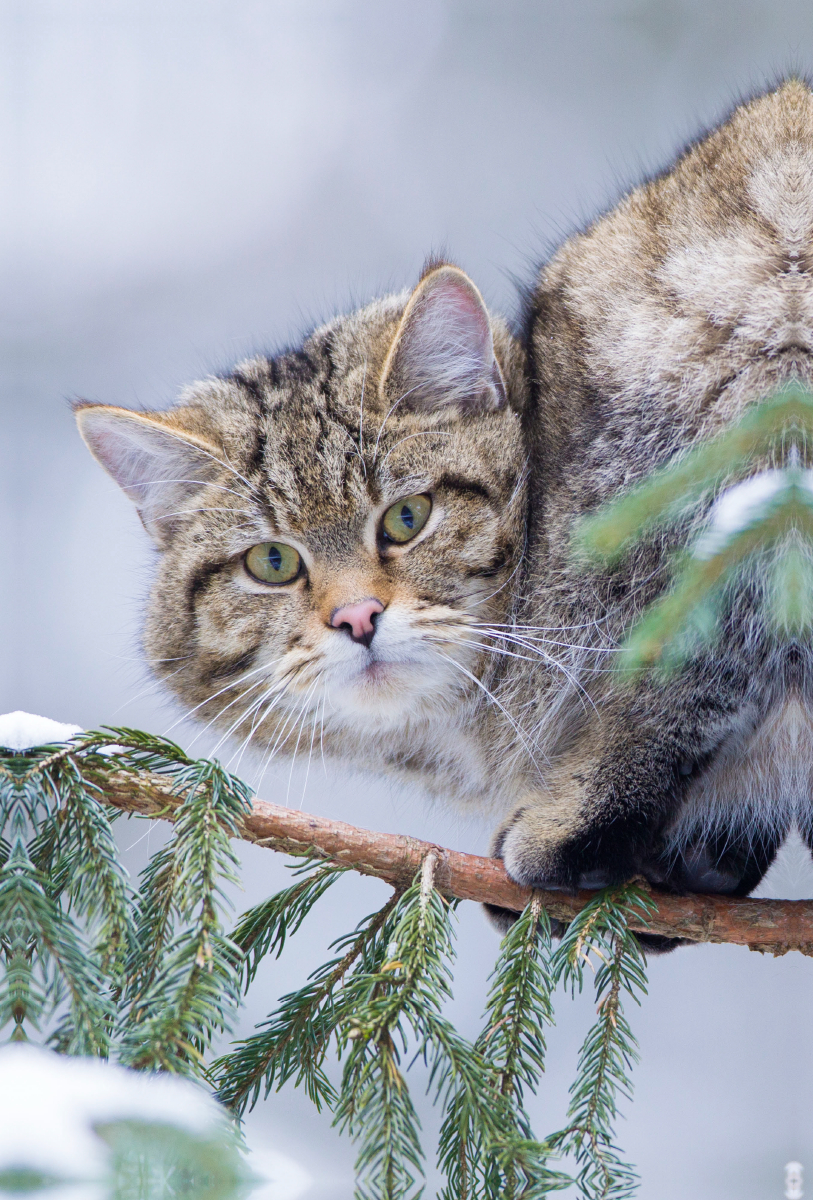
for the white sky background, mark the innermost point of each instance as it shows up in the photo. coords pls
(184, 182)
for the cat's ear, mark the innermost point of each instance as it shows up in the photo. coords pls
(157, 463)
(443, 352)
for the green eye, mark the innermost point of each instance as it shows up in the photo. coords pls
(273, 562)
(406, 518)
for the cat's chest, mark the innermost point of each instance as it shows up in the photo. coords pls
(445, 758)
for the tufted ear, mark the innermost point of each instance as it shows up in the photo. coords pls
(443, 352)
(158, 464)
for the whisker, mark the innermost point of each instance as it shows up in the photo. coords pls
(153, 687)
(322, 733)
(458, 641)
(310, 757)
(400, 442)
(281, 736)
(233, 683)
(303, 711)
(212, 508)
(255, 721)
(528, 642)
(270, 691)
(219, 487)
(490, 696)
(392, 409)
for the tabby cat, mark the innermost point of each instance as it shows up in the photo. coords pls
(340, 529)
(365, 543)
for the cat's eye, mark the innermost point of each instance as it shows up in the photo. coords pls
(404, 520)
(273, 562)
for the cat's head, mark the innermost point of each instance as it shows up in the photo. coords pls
(335, 523)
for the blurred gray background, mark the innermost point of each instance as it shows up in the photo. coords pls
(186, 182)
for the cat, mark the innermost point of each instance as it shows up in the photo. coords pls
(365, 543)
(653, 329)
(339, 527)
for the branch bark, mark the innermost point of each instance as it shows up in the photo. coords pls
(771, 926)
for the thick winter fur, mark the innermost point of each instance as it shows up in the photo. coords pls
(488, 674)
(407, 396)
(653, 329)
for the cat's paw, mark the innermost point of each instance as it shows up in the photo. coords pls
(544, 852)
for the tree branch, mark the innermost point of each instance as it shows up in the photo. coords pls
(773, 926)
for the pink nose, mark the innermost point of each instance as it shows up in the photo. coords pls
(358, 619)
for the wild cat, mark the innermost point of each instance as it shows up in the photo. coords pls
(365, 543)
(339, 528)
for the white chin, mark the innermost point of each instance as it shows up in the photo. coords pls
(387, 692)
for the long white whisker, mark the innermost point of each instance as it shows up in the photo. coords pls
(212, 508)
(301, 723)
(233, 683)
(458, 641)
(528, 641)
(281, 737)
(490, 696)
(254, 723)
(273, 690)
(322, 733)
(147, 691)
(310, 756)
(392, 409)
(219, 487)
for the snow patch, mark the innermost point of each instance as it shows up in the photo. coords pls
(22, 731)
(742, 505)
(49, 1105)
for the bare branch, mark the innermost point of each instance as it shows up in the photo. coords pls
(772, 926)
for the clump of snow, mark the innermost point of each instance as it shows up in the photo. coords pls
(22, 731)
(49, 1105)
(742, 505)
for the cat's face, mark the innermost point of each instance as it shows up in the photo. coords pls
(336, 524)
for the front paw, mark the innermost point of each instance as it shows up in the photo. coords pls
(540, 850)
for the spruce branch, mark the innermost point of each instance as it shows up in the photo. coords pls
(773, 926)
(43, 948)
(184, 973)
(161, 959)
(513, 1044)
(758, 534)
(602, 930)
(295, 1039)
(263, 930)
(395, 1006)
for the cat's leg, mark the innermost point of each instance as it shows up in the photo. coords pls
(597, 816)
(595, 819)
(725, 863)
(718, 864)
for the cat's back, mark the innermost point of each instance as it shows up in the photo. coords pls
(695, 294)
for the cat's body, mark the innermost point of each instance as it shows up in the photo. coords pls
(471, 652)
(651, 331)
